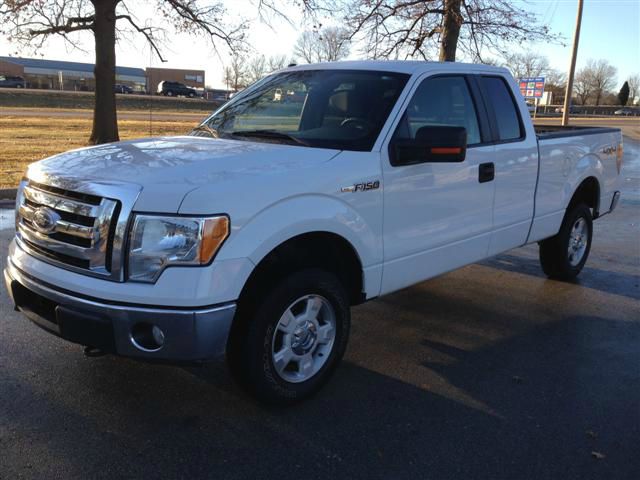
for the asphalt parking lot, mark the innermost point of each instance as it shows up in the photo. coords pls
(491, 371)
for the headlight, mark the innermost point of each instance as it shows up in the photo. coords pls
(20, 199)
(157, 242)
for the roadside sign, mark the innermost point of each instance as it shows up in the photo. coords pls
(532, 87)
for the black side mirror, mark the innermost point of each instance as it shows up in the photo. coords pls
(432, 144)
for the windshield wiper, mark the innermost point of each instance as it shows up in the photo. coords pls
(269, 134)
(206, 128)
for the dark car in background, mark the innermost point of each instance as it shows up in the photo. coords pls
(121, 88)
(7, 81)
(174, 89)
(572, 109)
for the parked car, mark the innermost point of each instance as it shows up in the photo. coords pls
(253, 236)
(175, 89)
(121, 88)
(219, 97)
(572, 110)
(531, 106)
(624, 111)
(7, 81)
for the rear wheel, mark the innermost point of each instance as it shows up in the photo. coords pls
(169, 93)
(564, 255)
(292, 341)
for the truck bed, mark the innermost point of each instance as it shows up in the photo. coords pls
(544, 132)
(568, 155)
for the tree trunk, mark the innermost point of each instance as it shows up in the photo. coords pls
(451, 24)
(105, 121)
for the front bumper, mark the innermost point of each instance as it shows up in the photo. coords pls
(189, 334)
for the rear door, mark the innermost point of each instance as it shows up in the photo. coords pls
(516, 163)
(437, 216)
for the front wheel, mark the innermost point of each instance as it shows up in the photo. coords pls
(294, 339)
(564, 255)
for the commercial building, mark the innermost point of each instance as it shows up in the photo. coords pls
(63, 75)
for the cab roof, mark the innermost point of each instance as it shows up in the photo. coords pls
(401, 66)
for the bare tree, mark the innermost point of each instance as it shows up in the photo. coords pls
(276, 62)
(492, 61)
(603, 77)
(322, 45)
(556, 83)
(235, 73)
(418, 28)
(583, 85)
(243, 71)
(527, 64)
(32, 22)
(334, 42)
(307, 47)
(634, 87)
(256, 68)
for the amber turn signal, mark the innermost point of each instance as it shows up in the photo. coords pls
(214, 232)
(446, 150)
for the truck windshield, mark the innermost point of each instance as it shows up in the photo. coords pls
(340, 109)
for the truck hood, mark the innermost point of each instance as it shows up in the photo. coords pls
(167, 168)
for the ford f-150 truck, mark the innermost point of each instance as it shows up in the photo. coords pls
(253, 235)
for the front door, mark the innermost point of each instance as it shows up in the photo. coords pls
(438, 216)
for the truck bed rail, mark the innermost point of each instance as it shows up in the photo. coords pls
(544, 132)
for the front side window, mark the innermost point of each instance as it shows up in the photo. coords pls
(507, 118)
(340, 109)
(441, 101)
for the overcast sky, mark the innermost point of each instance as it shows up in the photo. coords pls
(610, 30)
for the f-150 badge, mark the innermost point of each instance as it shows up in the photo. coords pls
(361, 187)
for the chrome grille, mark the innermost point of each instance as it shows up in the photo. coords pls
(67, 227)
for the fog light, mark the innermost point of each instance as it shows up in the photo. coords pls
(158, 335)
(147, 337)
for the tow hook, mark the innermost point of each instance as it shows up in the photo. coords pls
(93, 352)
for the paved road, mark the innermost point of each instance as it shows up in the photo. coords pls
(491, 371)
(160, 116)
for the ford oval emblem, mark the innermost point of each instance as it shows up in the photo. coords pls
(44, 220)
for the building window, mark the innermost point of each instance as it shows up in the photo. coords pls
(194, 78)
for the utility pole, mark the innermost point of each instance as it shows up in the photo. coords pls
(572, 68)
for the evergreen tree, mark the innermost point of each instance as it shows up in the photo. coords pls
(623, 94)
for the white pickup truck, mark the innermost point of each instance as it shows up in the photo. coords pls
(317, 188)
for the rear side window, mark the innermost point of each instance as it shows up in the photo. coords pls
(441, 101)
(506, 113)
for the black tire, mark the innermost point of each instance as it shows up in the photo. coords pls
(249, 352)
(169, 93)
(191, 94)
(554, 252)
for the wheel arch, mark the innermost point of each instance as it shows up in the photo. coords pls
(587, 192)
(322, 249)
